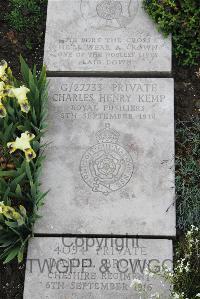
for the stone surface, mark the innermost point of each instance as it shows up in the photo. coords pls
(110, 163)
(105, 36)
(96, 268)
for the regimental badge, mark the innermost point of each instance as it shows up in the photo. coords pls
(106, 166)
(109, 14)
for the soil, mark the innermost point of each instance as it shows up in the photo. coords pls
(12, 280)
(12, 44)
(187, 91)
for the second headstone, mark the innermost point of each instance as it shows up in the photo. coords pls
(110, 162)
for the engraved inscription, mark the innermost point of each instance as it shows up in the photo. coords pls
(109, 14)
(116, 168)
(97, 268)
(99, 101)
(106, 166)
(109, 10)
(104, 35)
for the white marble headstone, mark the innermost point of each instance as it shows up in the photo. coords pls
(110, 162)
(103, 36)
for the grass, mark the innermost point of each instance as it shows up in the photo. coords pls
(188, 173)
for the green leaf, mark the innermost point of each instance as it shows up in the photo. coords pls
(24, 70)
(36, 146)
(16, 181)
(41, 197)
(42, 78)
(12, 254)
(10, 110)
(6, 135)
(34, 117)
(32, 85)
(21, 128)
(28, 172)
(8, 173)
(7, 243)
(34, 73)
(3, 184)
(22, 210)
(18, 191)
(20, 255)
(6, 194)
(11, 224)
(20, 221)
(33, 190)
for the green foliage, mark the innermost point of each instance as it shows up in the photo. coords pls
(25, 14)
(188, 173)
(186, 276)
(184, 280)
(19, 180)
(181, 18)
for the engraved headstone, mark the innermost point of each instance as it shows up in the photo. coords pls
(104, 36)
(110, 162)
(97, 268)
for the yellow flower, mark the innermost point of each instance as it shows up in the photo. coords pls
(29, 154)
(23, 144)
(3, 67)
(11, 213)
(4, 90)
(8, 212)
(9, 72)
(2, 87)
(1, 209)
(21, 94)
(25, 107)
(3, 112)
(16, 215)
